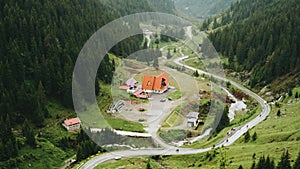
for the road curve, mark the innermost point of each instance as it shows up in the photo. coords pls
(263, 114)
(184, 151)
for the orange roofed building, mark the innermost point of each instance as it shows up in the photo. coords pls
(155, 84)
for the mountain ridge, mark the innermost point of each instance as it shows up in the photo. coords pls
(262, 40)
(202, 8)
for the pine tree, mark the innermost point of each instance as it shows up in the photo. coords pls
(254, 136)
(196, 74)
(145, 45)
(284, 162)
(297, 163)
(278, 113)
(169, 56)
(247, 137)
(148, 165)
(155, 62)
(8, 141)
(254, 156)
(64, 143)
(296, 95)
(79, 154)
(224, 121)
(261, 163)
(29, 134)
(253, 165)
(41, 95)
(97, 86)
(113, 65)
(290, 93)
(269, 164)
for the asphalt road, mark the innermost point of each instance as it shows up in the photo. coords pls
(183, 151)
(263, 115)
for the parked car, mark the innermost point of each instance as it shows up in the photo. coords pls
(118, 158)
(163, 100)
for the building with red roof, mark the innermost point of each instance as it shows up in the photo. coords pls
(155, 84)
(72, 124)
(141, 94)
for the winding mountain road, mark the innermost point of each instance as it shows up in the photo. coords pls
(184, 151)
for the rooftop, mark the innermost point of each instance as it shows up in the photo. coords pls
(72, 121)
(140, 94)
(131, 82)
(159, 82)
(193, 115)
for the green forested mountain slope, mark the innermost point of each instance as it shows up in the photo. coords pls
(261, 37)
(40, 41)
(125, 7)
(162, 5)
(202, 8)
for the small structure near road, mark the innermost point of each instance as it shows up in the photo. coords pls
(72, 124)
(130, 84)
(192, 119)
(115, 107)
(141, 94)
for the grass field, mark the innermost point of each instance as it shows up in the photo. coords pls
(130, 163)
(286, 99)
(175, 95)
(274, 136)
(195, 62)
(120, 124)
(170, 136)
(174, 119)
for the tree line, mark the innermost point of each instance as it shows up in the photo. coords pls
(40, 42)
(268, 163)
(259, 36)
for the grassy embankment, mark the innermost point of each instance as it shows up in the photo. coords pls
(274, 136)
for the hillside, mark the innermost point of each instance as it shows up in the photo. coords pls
(270, 139)
(40, 41)
(261, 38)
(202, 8)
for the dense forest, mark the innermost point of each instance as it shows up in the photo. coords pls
(261, 37)
(40, 41)
(202, 8)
